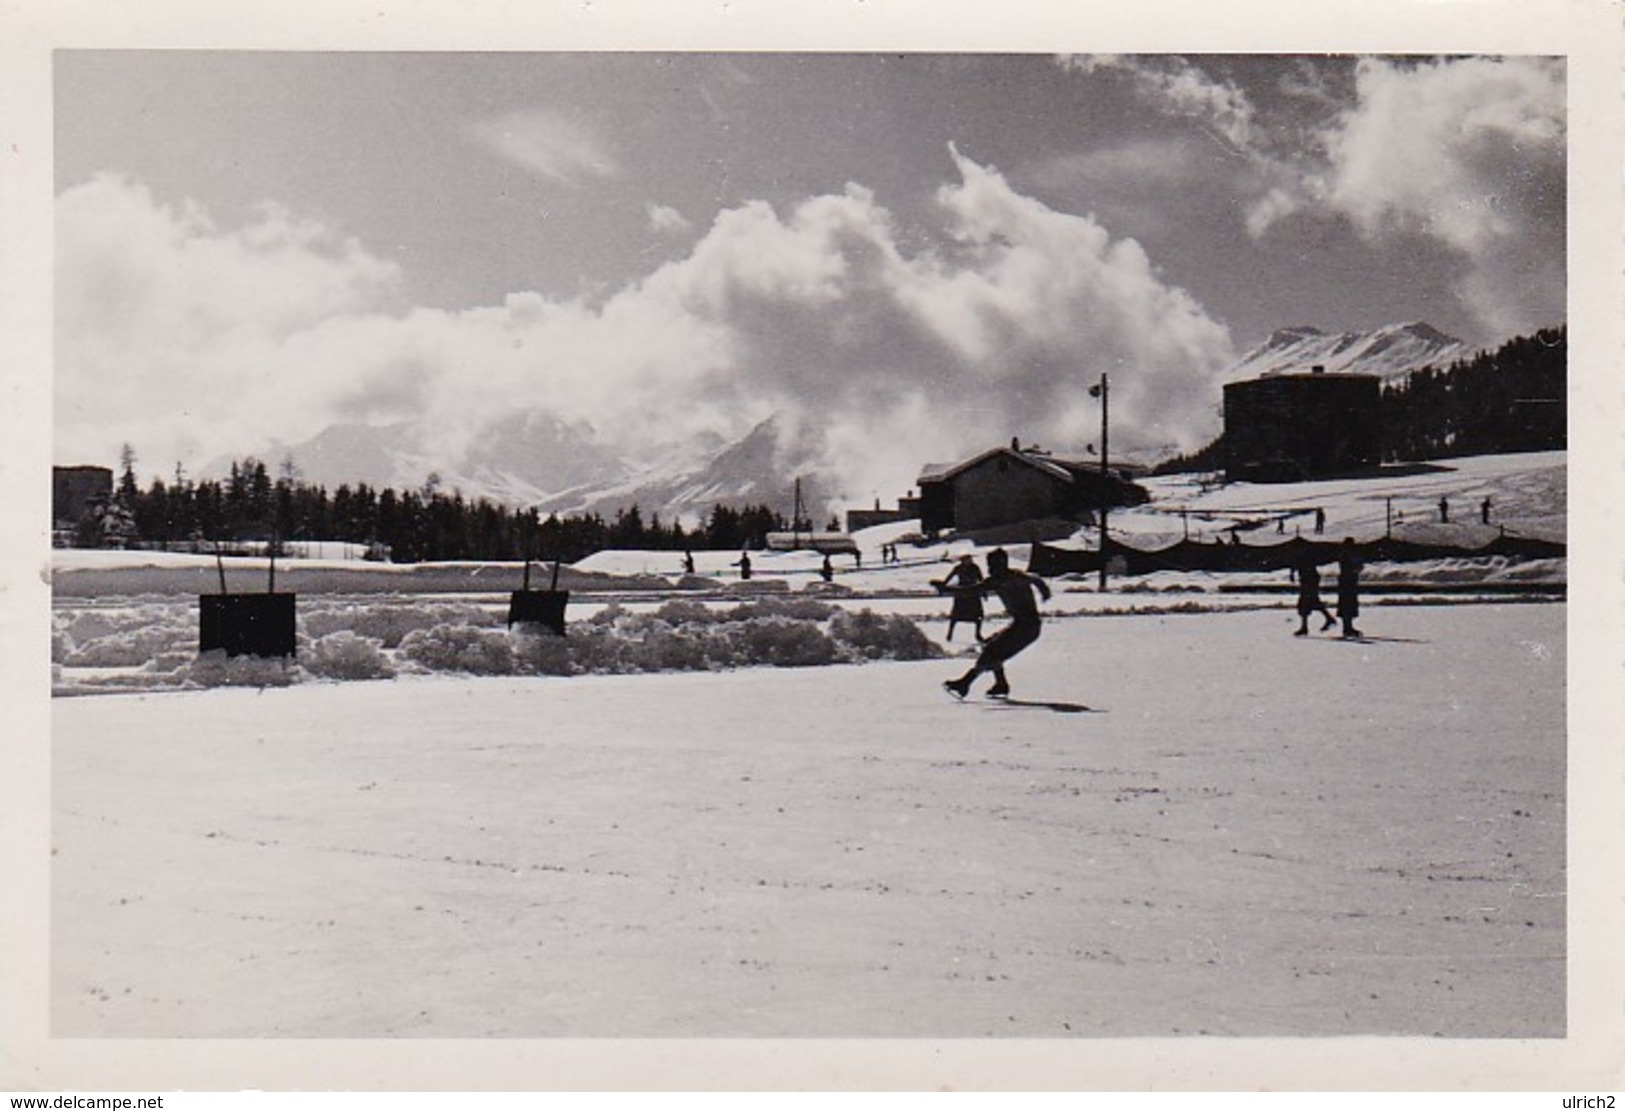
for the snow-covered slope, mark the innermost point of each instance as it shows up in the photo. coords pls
(1390, 353)
(760, 469)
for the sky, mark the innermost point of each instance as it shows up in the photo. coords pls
(915, 256)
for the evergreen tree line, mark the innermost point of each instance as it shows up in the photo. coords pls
(1513, 399)
(409, 526)
(1509, 400)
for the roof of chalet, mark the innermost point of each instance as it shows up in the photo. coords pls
(1300, 375)
(1064, 470)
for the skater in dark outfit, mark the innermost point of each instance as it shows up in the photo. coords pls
(1348, 588)
(1018, 591)
(1309, 596)
(967, 603)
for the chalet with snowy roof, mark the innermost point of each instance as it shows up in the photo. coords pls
(1008, 485)
(1287, 427)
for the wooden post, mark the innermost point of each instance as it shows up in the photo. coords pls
(1105, 492)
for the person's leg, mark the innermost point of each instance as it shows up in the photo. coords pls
(1003, 647)
(960, 687)
(1001, 686)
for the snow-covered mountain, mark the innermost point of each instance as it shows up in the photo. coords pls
(761, 469)
(535, 459)
(519, 459)
(1390, 353)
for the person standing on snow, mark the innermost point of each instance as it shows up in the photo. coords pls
(1309, 596)
(967, 603)
(1348, 587)
(1018, 591)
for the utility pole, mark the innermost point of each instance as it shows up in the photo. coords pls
(1102, 391)
(795, 522)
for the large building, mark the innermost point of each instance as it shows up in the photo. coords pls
(907, 510)
(74, 490)
(1286, 427)
(1008, 485)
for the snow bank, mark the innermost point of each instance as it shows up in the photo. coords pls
(154, 646)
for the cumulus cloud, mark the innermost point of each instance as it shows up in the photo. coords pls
(876, 359)
(187, 332)
(547, 144)
(667, 221)
(1469, 151)
(1181, 88)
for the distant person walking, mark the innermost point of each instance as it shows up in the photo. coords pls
(1309, 596)
(743, 563)
(827, 571)
(1019, 591)
(1348, 587)
(967, 603)
(1320, 520)
(1444, 511)
(688, 563)
(1484, 511)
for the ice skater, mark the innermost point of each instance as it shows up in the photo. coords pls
(967, 603)
(1018, 591)
(1348, 588)
(1309, 596)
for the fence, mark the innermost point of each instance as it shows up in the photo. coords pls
(1194, 555)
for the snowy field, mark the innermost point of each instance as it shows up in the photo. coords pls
(1196, 823)
(1187, 822)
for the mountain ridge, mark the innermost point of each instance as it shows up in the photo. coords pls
(1392, 352)
(535, 458)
